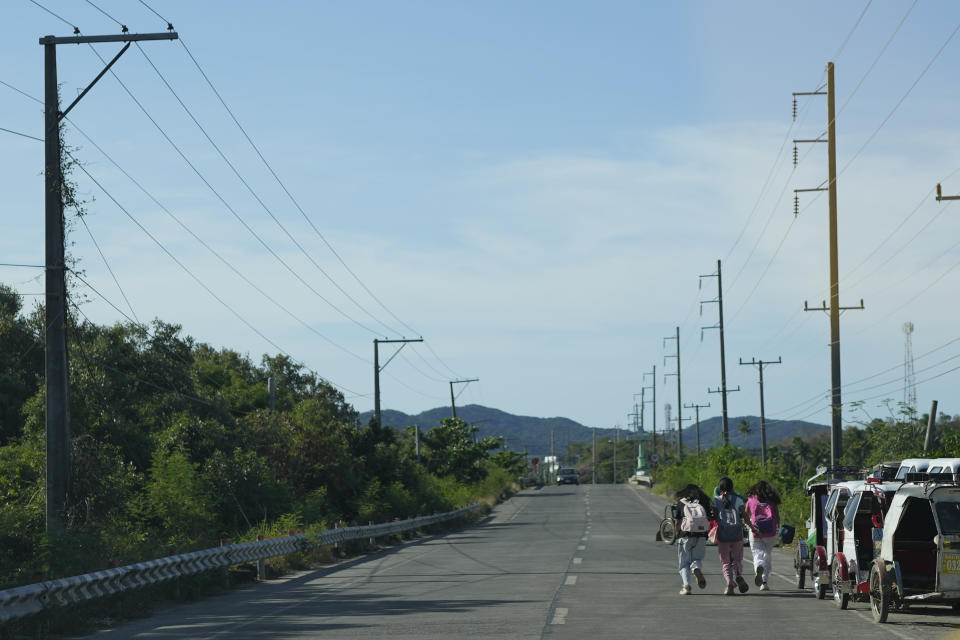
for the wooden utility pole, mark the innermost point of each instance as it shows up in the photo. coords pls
(763, 419)
(56, 365)
(377, 369)
(679, 400)
(653, 376)
(697, 407)
(723, 357)
(453, 406)
(836, 405)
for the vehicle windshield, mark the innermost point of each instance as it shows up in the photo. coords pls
(567, 472)
(948, 513)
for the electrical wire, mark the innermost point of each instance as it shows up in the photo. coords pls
(83, 220)
(852, 30)
(203, 243)
(223, 201)
(196, 279)
(22, 135)
(260, 201)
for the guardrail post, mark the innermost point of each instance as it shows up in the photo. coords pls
(261, 565)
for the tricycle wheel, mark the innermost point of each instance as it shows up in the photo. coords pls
(668, 532)
(801, 569)
(839, 597)
(880, 593)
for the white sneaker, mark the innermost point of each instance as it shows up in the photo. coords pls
(686, 590)
(764, 587)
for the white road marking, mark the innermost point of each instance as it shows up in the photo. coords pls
(578, 561)
(581, 547)
(571, 580)
(559, 616)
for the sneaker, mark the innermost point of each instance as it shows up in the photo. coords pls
(728, 590)
(764, 587)
(686, 590)
(701, 581)
(742, 584)
(759, 579)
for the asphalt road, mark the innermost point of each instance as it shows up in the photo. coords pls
(561, 562)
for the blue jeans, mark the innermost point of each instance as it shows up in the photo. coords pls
(690, 552)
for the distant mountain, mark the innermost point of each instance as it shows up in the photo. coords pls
(778, 432)
(533, 435)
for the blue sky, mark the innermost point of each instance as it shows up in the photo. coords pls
(533, 187)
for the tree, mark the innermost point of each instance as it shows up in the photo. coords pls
(450, 449)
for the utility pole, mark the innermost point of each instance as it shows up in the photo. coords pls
(377, 369)
(616, 437)
(697, 407)
(931, 424)
(453, 406)
(679, 401)
(56, 366)
(836, 428)
(594, 455)
(763, 419)
(723, 358)
(653, 376)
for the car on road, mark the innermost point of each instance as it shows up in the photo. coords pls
(567, 475)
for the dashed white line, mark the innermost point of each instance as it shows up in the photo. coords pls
(583, 547)
(578, 561)
(571, 580)
(559, 616)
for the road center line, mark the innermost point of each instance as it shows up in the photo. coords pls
(559, 616)
(571, 580)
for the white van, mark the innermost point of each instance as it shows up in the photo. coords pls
(912, 465)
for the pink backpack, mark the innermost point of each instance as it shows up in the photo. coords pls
(764, 523)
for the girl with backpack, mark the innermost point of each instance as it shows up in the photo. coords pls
(692, 515)
(729, 507)
(763, 518)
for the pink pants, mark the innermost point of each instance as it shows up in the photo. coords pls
(731, 558)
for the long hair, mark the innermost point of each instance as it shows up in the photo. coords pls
(692, 492)
(764, 492)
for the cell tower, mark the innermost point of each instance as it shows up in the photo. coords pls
(909, 377)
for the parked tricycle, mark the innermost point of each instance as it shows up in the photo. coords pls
(856, 539)
(919, 559)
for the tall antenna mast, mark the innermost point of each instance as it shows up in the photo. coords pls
(909, 377)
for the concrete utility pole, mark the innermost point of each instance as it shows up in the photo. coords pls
(931, 425)
(616, 437)
(836, 428)
(679, 401)
(56, 366)
(594, 455)
(377, 369)
(723, 358)
(763, 419)
(653, 376)
(453, 406)
(697, 407)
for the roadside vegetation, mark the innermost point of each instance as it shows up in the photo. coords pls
(174, 448)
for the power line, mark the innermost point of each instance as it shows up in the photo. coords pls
(23, 135)
(854, 28)
(225, 203)
(191, 274)
(186, 228)
(83, 220)
(260, 201)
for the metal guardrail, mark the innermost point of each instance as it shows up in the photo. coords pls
(34, 598)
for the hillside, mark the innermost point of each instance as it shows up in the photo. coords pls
(530, 434)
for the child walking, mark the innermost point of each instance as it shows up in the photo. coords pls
(763, 518)
(692, 514)
(729, 509)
